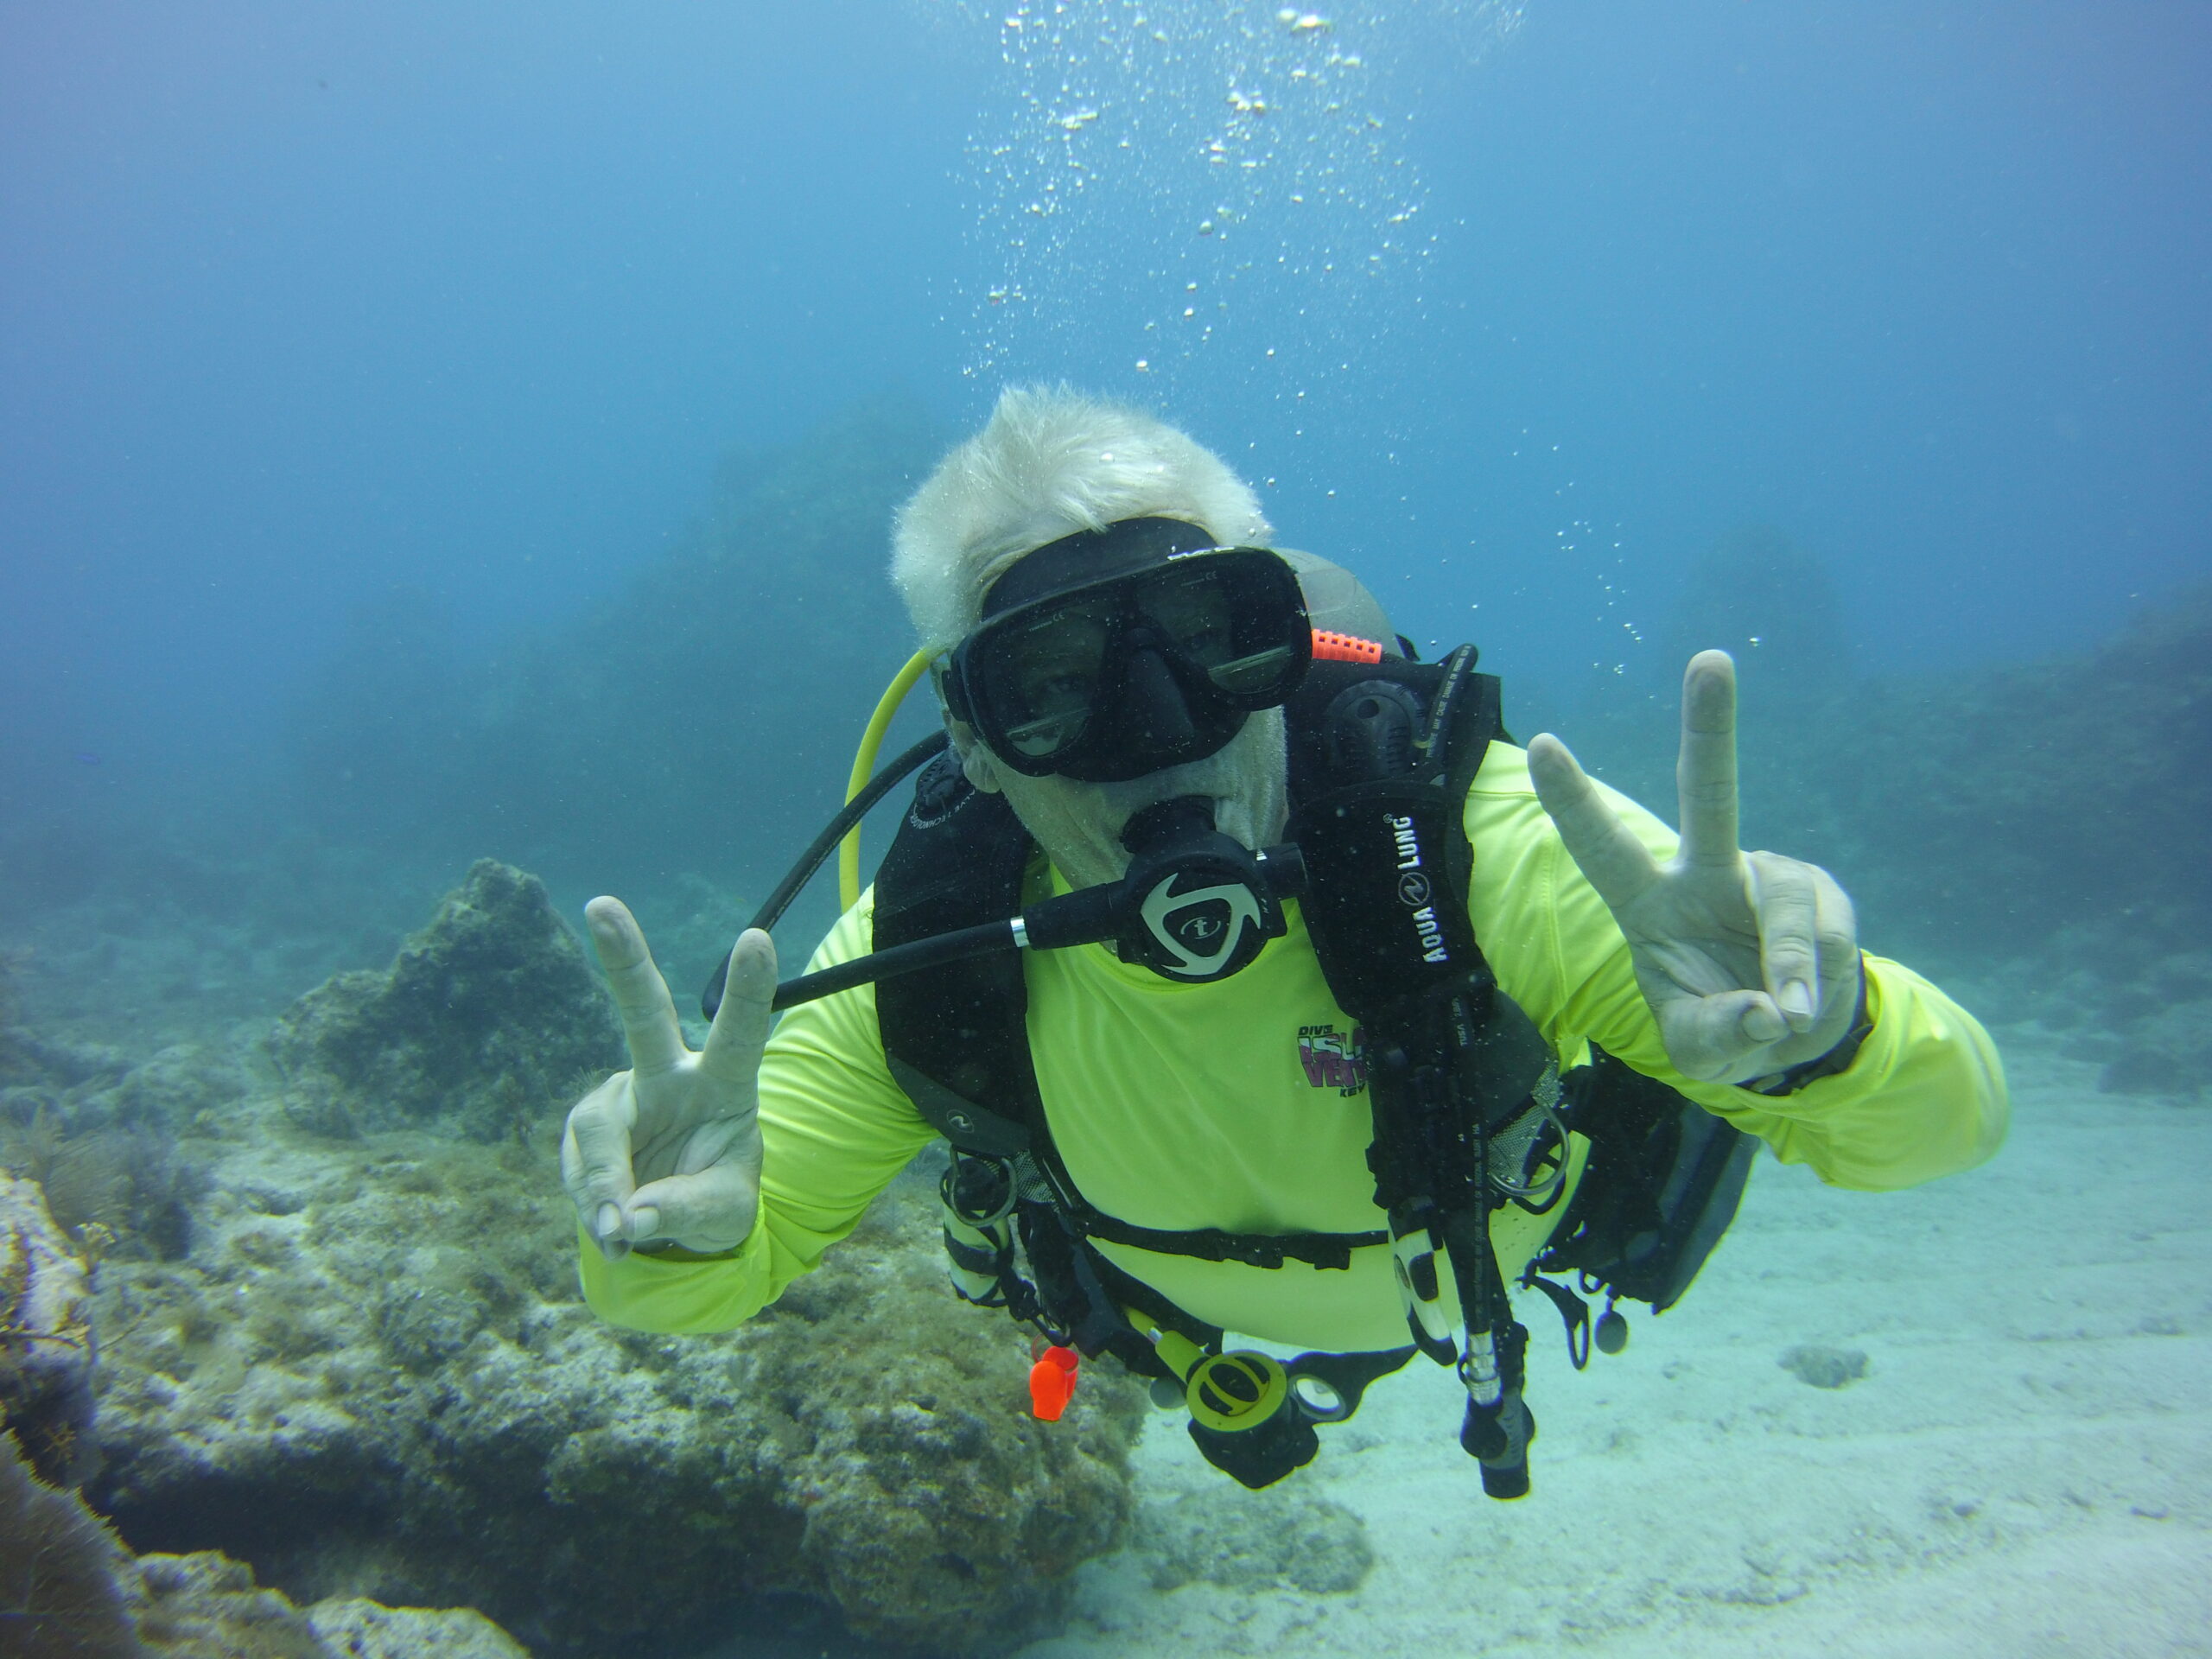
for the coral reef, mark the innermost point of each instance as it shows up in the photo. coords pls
(70, 1590)
(62, 1573)
(2007, 805)
(488, 1018)
(2167, 1050)
(374, 1377)
(46, 1337)
(111, 1188)
(370, 1372)
(208, 1606)
(2147, 1023)
(1770, 603)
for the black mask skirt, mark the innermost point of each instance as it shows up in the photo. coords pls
(1109, 654)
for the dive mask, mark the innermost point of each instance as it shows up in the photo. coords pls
(1110, 654)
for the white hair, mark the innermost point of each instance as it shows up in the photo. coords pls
(1051, 463)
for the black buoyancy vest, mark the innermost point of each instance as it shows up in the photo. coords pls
(1663, 1176)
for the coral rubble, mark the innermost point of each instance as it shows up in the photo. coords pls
(1822, 1367)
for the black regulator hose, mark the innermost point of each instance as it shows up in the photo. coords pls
(1181, 865)
(818, 850)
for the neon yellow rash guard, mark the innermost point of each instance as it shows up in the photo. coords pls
(1237, 1105)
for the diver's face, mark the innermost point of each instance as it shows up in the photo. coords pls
(1079, 825)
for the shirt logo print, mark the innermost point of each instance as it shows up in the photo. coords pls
(1333, 1060)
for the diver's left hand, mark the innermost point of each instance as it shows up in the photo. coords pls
(1750, 960)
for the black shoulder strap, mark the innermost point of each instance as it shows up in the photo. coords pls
(957, 1039)
(1381, 758)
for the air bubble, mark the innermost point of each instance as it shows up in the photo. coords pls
(1294, 126)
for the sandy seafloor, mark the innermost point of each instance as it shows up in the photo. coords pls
(2024, 1471)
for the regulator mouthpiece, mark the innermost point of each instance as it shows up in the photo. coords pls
(1198, 907)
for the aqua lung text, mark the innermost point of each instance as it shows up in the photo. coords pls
(1413, 889)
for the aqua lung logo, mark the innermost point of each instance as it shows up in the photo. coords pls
(1414, 890)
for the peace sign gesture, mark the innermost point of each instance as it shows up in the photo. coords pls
(1749, 960)
(670, 1150)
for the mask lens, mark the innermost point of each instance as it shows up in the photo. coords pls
(1193, 608)
(1234, 616)
(1255, 675)
(1046, 672)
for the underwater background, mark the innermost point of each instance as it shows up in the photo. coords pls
(446, 461)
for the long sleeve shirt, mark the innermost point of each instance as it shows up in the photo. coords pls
(1241, 1104)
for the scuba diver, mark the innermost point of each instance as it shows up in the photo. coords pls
(1264, 988)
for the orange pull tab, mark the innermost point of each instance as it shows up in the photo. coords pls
(1051, 1383)
(1330, 647)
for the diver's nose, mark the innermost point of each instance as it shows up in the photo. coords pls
(1156, 710)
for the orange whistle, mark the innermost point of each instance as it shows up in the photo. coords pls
(1051, 1383)
(1332, 647)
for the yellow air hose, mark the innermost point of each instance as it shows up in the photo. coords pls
(849, 850)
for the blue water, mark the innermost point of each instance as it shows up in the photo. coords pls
(303, 304)
(367, 372)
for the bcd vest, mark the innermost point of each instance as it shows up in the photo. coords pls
(1469, 1110)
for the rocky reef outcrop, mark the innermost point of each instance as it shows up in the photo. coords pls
(369, 1373)
(374, 1377)
(486, 1016)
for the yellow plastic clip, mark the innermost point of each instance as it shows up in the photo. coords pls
(1178, 1352)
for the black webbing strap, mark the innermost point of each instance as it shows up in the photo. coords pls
(1329, 1250)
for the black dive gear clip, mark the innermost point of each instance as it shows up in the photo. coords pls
(1194, 905)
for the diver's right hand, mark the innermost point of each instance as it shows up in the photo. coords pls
(670, 1150)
